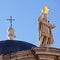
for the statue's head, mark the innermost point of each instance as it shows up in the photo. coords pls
(45, 10)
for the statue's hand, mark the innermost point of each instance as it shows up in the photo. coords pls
(53, 26)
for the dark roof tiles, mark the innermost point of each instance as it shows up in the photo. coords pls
(9, 46)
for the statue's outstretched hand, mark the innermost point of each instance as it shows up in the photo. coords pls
(53, 26)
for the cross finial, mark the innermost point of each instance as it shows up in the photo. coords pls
(11, 21)
(11, 34)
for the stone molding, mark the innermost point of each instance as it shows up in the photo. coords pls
(36, 53)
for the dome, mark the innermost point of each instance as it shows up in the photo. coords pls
(9, 46)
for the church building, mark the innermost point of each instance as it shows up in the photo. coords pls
(20, 50)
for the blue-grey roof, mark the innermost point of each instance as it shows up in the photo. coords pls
(9, 46)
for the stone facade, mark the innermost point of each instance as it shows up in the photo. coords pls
(36, 53)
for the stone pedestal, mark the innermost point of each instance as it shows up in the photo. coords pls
(47, 53)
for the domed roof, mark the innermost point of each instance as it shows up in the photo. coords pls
(9, 46)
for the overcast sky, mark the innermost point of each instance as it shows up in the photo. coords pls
(26, 13)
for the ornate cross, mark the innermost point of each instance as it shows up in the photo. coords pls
(10, 21)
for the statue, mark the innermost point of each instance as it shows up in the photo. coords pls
(44, 29)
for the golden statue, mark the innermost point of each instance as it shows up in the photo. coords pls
(44, 29)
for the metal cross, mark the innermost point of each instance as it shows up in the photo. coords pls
(10, 21)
